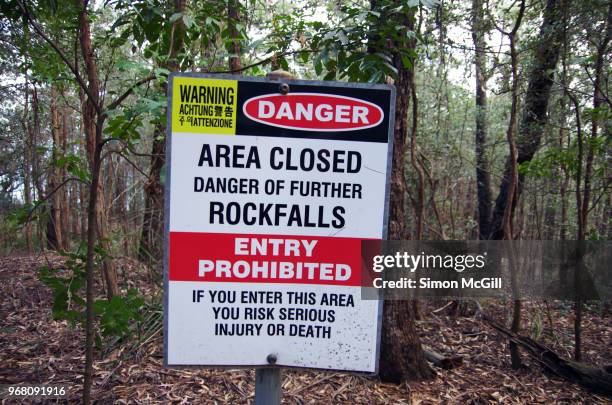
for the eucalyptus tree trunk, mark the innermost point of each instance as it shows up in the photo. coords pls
(54, 220)
(92, 119)
(512, 171)
(401, 356)
(598, 101)
(35, 135)
(120, 201)
(583, 201)
(93, 134)
(27, 166)
(483, 176)
(535, 106)
(234, 49)
(64, 196)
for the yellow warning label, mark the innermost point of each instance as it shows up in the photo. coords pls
(205, 106)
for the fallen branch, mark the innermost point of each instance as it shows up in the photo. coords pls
(442, 361)
(594, 379)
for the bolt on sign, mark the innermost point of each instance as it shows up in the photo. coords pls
(269, 194)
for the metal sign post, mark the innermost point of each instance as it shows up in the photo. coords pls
(268, 386)
(268, 383)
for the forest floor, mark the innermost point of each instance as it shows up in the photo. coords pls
(36, 349)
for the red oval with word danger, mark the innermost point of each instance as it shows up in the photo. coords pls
(313, 112)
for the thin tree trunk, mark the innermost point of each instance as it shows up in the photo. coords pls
(90, 122)
(54, 222)
(27, 166)
(419, 206)
(598, 100)
(419, 203)
(535, 107)
(513, 185)
(64, 197)
(150, 248)
(28, 144)
(83, 198)
(564, 184)
(583, 202)
(35, 135)
(483, 177)
(233, 19)
(91, 241)
(580, 231)
(75, 210)
(120, 204)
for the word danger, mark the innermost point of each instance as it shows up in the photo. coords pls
(308, 112)
(313, 111)
(322, 160)
(271, 269)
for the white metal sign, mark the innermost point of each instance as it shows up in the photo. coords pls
(268, 197)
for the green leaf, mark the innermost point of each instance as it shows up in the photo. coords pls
(175, 17)
(161, 72)
(127, 64)
(406, 62)
(375, 78)
(188, 21)
(318, 66)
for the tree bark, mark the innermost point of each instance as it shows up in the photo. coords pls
(598, 100)
(401, 356)
(483, 177)
(93, 133)
(513, 185)
(564, 184)
(64, 196)
(121, 204)
(583, 198)
(91, 240)
(535, 106)
(34, 136)
(234, 49)
(150, 247)
(27, 165)
(54, 221)
(419, 203)
(90, 110)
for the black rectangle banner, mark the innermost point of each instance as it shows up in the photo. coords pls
(340, 112)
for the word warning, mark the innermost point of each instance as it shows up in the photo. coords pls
(269, 197)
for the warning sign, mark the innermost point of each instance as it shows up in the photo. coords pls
(265, 227)
(205, 106)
